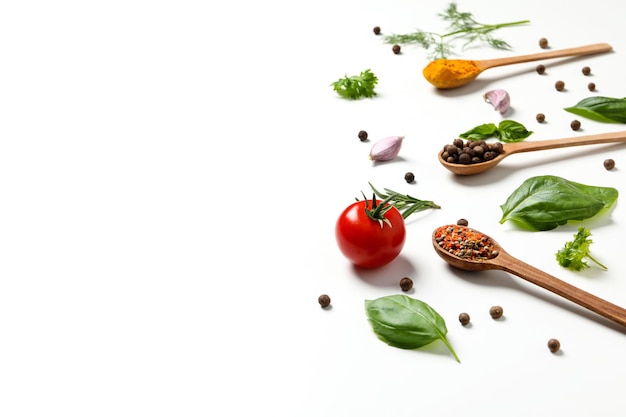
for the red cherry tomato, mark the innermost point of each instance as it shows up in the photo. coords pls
(367, 242)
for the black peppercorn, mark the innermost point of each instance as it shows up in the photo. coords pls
(554, 345)
(541, 117)
(543, 43)
(591, 86)
(609, 164)
(575, 125)
(406, 283)
(496, 312)
(409, 177)
(540, 69)
(462, 222)
(396, 49)
(559, 85)
(376, 30)
(464, 319)
(324, 300)
(363, 135)
(586, 70)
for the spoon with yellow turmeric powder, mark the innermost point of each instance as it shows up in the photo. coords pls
(453, 73)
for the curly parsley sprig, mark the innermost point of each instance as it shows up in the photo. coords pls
(356, 86)
(572, 254)
(462, 26)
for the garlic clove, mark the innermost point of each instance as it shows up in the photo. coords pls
(499, 99)
(386, 149)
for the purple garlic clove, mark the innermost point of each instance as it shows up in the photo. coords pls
(386, 149)
(499, 99)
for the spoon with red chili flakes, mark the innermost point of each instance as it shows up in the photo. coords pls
(471, 250)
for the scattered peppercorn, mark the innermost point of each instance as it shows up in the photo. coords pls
(575, 125)
(540, 117)
(462, 222)
(406, 283)
(559, 85)
(324, 300)
(543, 43)
(586, 70)
(409, 177)
(376, 30)
(554, 345)
(609, 164)
(396, 49)
(470, 152)
(496, 312)
(464, 319)
(591, 86)
(363, 135)
(541, 69)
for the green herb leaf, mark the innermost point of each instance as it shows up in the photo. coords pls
(572, 254)
(462, 27)
(506, 131)
(356, 86)
(405, 204)
(484, 131)
(512, 131)
(406, 323)
(601, 109)
(546, 202)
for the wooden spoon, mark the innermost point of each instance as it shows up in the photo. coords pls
(505, 262)
(518, 147)
(453, 73)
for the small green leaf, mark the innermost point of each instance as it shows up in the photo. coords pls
(512, 131)
(546, 202)
(601, 109)
(406, 323)
(483, 131)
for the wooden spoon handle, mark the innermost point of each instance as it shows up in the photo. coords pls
(577, 51)
(612, 137)
(531, 274)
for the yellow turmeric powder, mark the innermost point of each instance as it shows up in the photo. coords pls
(450, 73)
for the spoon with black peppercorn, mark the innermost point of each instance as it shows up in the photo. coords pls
(540, 145)
(470, 250)
(453, 73)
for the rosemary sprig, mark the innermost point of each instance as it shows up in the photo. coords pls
(405, 204)
(462, 26)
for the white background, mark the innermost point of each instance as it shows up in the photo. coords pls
(170, 177)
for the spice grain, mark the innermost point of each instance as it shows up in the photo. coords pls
(376, 30)
(554, 345)
(324, 300)
(540, 117)
(543, 43)
(591, 86)
(409, 177)
(586, 70)
(496, 312)
(406, 284)
(464, 319)
(609, 164)
(540, 69)
(575, 125)
(362, 135)
(396, 49)
(559, 85)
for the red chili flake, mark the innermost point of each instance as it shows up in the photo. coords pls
(465, 243)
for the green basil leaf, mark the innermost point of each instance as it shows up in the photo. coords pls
(406, 323)
(546, 202)
(483, 131)
(601, 109)
(512, 131)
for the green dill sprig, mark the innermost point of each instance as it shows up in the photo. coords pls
(462, 26)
